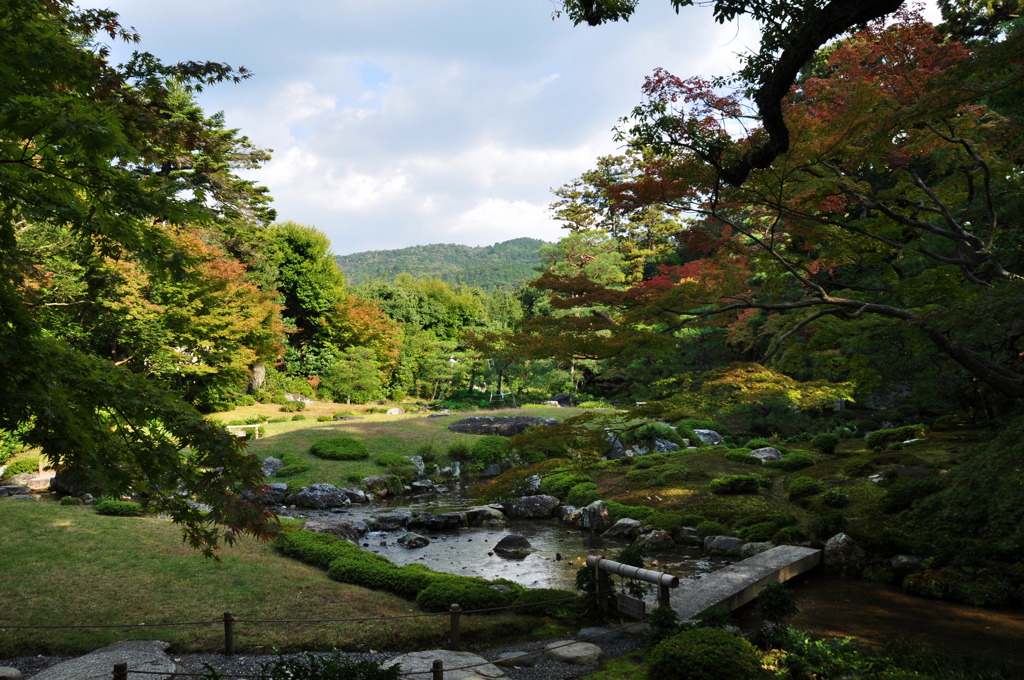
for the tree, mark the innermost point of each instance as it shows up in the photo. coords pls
(79, 145)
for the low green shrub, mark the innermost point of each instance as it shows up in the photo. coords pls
(643, 476)
(617, 511)
(903, 493)
(340, 448)
(647, 433)
(742, 456)
(466, 592)
(278, 419)
(547, 602)
(70, 500)
(704, 654)
(298, 416)
(881, 438)
(490, 448)
(28, 464)
(325, 419)
(802, 487)
(858, 466)
(315, 548)
(582, 494)
(758, 443)
(293, 465)
(711, 528)
(677, 474)
(667, 521)
(293, 406)
(735, 484)
(791, 462)
(776, 603)
(119, 508)
(559, 484)
(459, 451)
(830, 524)
(835, 498)
(392, 461)
(825, 442)
(246, 400)
(644, 462)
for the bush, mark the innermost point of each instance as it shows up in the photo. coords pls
(791, 462)
(582, 494)
(547, 602)
(298, 416)
(490, 448)
(70, 500)
(831, 524)
(645, 434)
(802, 487)
(119, 508)
(860, 465)
(293, 406)
(293, 465)
(22, 465)
(325, 419)
(835, 498)
(459, 451)
(704, 654)
(617, 511)
(393, 462)
(881, 438)
(676, 474)
(763, 526)
(825, 442)
(758, 443)
(315, 548)
(776, 603)
(559, 484)
(667, 521)
(466, 592)
(905, 492)
(735, 484)
(340, 448)
(742, 456)
(278, 419)
(711, 528)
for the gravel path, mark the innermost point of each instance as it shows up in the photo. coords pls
(545, 668)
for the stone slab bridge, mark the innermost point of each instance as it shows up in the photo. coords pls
(733, 586)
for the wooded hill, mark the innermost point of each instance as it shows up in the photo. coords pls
(502, 266)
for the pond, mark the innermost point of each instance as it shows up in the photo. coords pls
(560, 550)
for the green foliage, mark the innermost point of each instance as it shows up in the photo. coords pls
(70, 500)
(467, 593)
(704, 654)
(825, 442)
(340, 448)
(324, 419)
(298, 417)
(735, 484)
(802, 487)
(647, 433)
(742, 456)
(293, 465)
(547, 602)
(490, 448)
(314, 548)
(663, 622)
(805, 657)
(617, 511)
(776, 603)
(559, 484)
(903, 493)
(334, 666)
(835, 498)
(293, 406)
(881, 438)
(711, 528)
(25, 464)
(791, 462)
(757, 443)
(582, 494)
(830, 524)
(459, 451)
(119, 508)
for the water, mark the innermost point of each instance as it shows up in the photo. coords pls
(560, 550)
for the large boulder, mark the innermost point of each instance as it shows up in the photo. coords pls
(485, 516)
(336, 527)
(413, 541)
(513, 546)
(13, 490)
(505, 426)
(594, 517)
(843, 554)
(449, 521)
(271, 465)
(658, 445)
(388, 521)
(766, 453)
(709, 437)
(354, 495)
(659, 539)
(540, 506)
(321, 497)
(581, 653)
(625, 529)
(722, 544)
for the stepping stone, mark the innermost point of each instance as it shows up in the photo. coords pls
(568, 651)
(140, 655)
(462, 665)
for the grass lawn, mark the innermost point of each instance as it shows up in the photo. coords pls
(65, 565)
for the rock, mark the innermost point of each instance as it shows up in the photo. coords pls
(34, 481)
(140, 655)
(417, 461)
(513, 546)
(290, 396)
(722, 544)
(516, 660)
(531, 487)
(492, 470)
(568, 514)
(551, 403)
(505, 426)
(594, 517)
(321, 497)
(374, 483)
(533, 507)
(336, 527)
(422, 486)
(905, 564)
(688, 536)
(355, 495)
(710, 437)
(597, 635)
(22, 497)
(273, 494)
(843, 554)
(395, 411)
(449, 521)
(658, 445)
(754, 547)
(766, 453)
(580, 653)
(388, 521)
(484, 515)
(271, 465)
(8, 673)
(564, 399)
(13, 490)
(67, 483)
(417, 665)
(659, 539)
(412, 540)
(346, 417)
(625, 529)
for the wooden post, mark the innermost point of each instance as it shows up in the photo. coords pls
(663, 595)
(229, 634)
(120, 671)
(604, 587)
(437, 668)
(455, 611)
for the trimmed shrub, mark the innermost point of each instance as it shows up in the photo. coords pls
(860, 465)
(22, 465)
(835, 498)
(711, 528)
(791, 462)
(758, 443)
(742, 456)
(119, 508)
(559, 484)
(459, 451)
(466, 592)
(293, 406)
(293, 465)
(649, 432)
(70, 500)
(490, 448)
(704, 654)
(298, 416)
(675, 474)
(668, 521)
(802, 487)
(776, 603)
(881, 438)
(547, 602)
(831, 524)
(905, 492)
(340, 448)
(617, 511)
(825, 442)
(583, 494)
(735, 484)
(325, 419)
(314, 548)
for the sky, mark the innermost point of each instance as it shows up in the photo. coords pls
(396, 123)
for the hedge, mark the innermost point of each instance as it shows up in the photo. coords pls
(340, 448)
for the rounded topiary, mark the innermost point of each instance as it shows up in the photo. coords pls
(710, 528)
(734, 484)
(776, 603)
(119, 508)
(22, 465)
(791, 462)
(468, 593)
(547, 602)
(704, 654)
(802, 487)
(583, 494)
(825, 442)
(490, 448)
(293, 465)
(71, 500)
(340, 448)
(835, 498)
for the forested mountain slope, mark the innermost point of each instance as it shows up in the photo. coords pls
(500, 266)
